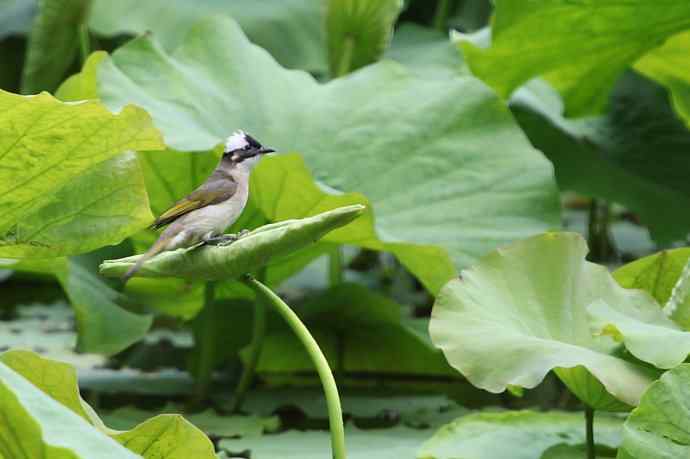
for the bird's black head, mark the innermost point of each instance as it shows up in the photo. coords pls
(241, 147)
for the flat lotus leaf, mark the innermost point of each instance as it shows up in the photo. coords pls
(564, 451)
(531, 298)
(659, 427)
(668, 65)
(210, 422)
(581, 47)
(16, 16)
(449, 163)
(37, 425)
(394, 443)
(358, 32)
(516, 434)
(49, 331)
(247, 254)
(47, 392)
(52, 151)
(291, 30)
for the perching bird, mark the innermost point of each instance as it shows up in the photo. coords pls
(206, 212)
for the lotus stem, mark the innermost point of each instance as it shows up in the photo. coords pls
(335, 415)
(589, 422)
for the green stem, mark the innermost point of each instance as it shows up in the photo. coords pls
(335, 415)
(589, 421)
(257, 343)
(84, 42)
(601, 246)
(345, 63)
(335, 266)
(441, 15)
(206, 346)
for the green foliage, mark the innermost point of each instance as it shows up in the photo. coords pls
(609, 156)
(517, 434)
(291, 30)
(64, 189)
(358, 32)
(451, 142)
(580, 47)
(658, 427)
(41, 401)
(53, 43)
(532, 298)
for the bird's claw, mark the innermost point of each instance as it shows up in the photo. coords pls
(226, 239)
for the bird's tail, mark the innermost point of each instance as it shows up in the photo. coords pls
(155, 249)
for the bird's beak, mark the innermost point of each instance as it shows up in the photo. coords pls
(265, 151)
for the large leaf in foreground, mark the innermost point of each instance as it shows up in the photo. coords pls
(515, 435)
(247, 254)
(53, 43)
(36, 425)
(358, 32)
(658, 428)
(448, 164)
(48, 391)
(291, 30)
(51, 152)
(522, 311)
(581, 47)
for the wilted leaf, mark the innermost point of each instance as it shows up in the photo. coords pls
(658, 428)
(52, 151)
(53, 43)
(581, 47)
(522, 311)
(515, 434)
(358, 32)
(448, 164)
(291, 30)
(247, 254)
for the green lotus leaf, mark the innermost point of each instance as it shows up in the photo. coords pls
(581, 47)
(37, 425)
(450, 163)
(609, 157)
(52, 152)
(103, 325)
(668, 65)
(247, 254)
(16, 16)
(358, 32)
(291, 30)
(659, 427)
(531, 299)
(393, 443)
(41, 399)
(53, 43)
(515, 435)
(658, 274)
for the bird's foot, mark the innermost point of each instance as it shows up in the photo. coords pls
(225, 239)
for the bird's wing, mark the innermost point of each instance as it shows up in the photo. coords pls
(211, 192)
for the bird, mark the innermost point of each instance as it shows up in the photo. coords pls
(203, 216)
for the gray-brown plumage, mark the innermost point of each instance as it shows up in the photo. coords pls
(205, 214)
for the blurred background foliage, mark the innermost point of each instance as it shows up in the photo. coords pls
(462, 128)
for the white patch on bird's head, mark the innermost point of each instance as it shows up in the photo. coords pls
(237, 141)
